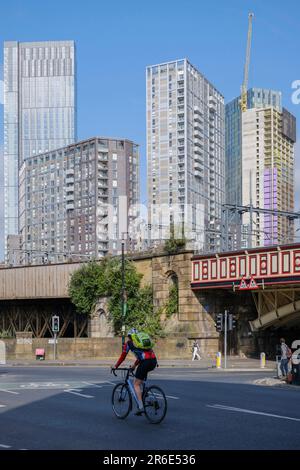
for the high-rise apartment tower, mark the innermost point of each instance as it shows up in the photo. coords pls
(185, 153)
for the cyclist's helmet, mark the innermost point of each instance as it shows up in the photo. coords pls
(132, 331)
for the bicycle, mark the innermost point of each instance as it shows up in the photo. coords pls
(154, 399)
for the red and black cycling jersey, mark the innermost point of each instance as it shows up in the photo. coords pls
(140, 354)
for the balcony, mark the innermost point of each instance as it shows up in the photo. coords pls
(70, 197)
(198, 118)
(102, 167)
(198, 150)
(70, 206)
(102, 175)
(197, 111)
(198, 157)
(198, 128)
(198, 143)
(198, 134)
(198, 166)
(70, 180)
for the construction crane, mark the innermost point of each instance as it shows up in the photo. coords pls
(243, 101)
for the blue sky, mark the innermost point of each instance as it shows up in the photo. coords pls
(117, 39)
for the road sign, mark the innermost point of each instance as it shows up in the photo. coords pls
(243, 284)
(252, 284)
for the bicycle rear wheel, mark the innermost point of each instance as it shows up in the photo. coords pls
(121, 400)
(155, 404)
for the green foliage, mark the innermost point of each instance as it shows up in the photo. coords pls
(173, 244)
(88, 284)
(140, 313)
(104, 279)
(172, 304)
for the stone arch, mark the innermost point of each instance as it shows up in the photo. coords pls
(99, 324)
(2, 352)
(173, 290)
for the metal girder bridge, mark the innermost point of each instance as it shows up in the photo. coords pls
(276, 308)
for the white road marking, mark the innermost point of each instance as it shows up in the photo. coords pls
(9, 391)
(4, 446)
(111, 383)
(2, 406)
(35, 385)
(167, 396)
(94, 385)
(79, 394)
(242, 410)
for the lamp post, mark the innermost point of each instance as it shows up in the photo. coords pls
(124, 295)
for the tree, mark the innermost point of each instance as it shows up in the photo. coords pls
(104, 279)
(87, 285)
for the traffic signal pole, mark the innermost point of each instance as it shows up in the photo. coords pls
(225, 339)
(55, 335)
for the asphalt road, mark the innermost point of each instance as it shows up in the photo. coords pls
(70, 408)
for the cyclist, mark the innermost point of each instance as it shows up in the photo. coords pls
(145, 360)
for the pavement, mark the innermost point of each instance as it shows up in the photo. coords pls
(70, 408)
(233, 364)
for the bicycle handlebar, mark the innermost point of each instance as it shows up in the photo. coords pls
(128, 369)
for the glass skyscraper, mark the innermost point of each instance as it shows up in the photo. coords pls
(39, 109)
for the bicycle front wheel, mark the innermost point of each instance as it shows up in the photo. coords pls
(121, 400)
(155, 404)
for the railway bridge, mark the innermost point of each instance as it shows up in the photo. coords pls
(270, 274)
(261, 286)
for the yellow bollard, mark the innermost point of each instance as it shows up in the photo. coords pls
(218, 360)
(262, 360)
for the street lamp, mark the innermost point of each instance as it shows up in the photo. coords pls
(124, 294)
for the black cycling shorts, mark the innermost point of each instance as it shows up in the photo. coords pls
(144, 367)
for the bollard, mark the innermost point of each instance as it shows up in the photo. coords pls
(262, 360)
(218, 360)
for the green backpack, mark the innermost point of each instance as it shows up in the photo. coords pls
(142, 340)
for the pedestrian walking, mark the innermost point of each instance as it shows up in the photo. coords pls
(286, 355)
(196, 350)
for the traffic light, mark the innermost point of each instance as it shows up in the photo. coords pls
(231, 322)
(55, 324)
(219, 322)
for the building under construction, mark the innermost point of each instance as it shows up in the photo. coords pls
(260, 141)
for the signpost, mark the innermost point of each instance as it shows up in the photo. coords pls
(55, 329)
(225, 339)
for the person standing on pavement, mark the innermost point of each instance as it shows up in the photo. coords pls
(196, 350)
(285, 357)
